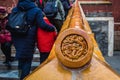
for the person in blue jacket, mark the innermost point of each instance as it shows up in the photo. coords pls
(25, 45)
(66, 6)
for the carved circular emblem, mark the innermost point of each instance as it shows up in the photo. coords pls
(74, 47)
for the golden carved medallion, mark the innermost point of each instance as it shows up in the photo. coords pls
(74, 47)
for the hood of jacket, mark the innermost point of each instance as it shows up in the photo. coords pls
(25, 4)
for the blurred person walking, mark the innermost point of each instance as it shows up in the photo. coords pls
(66, 5)
(25, 44)
(59, 17)
(45, 39)
(5, 37)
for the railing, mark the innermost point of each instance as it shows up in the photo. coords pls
(75, 54)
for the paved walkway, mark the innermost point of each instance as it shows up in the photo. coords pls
(114, 61)
(12, 73)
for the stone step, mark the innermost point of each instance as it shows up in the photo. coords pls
(15, 64)
(9, 79)
(36, 57)
(8, 74)
(12, 73)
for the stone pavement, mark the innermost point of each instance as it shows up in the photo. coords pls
(12, 74)
(114, 61)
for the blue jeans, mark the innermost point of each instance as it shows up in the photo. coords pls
(24, 66)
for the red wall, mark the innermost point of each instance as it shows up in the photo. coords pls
(113, 7)
(97, 8)
(116, 9)
(116, 13)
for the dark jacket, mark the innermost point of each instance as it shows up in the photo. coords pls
(66, 4)
(40, 5)
(25, 44)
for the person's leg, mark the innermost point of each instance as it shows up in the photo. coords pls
(24, 66)
(3, 49)
(6, 49)
(43, 56)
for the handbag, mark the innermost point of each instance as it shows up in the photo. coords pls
(45, 39)
(5, 37)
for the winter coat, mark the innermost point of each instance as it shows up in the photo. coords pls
(66, 4)
(61, 13)
(25, 45)
(45, 40)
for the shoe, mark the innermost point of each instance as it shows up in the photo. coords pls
(12, 59)
(8, 65)
(4, 62)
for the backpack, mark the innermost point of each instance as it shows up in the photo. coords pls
(50, 9)
(17, 23)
